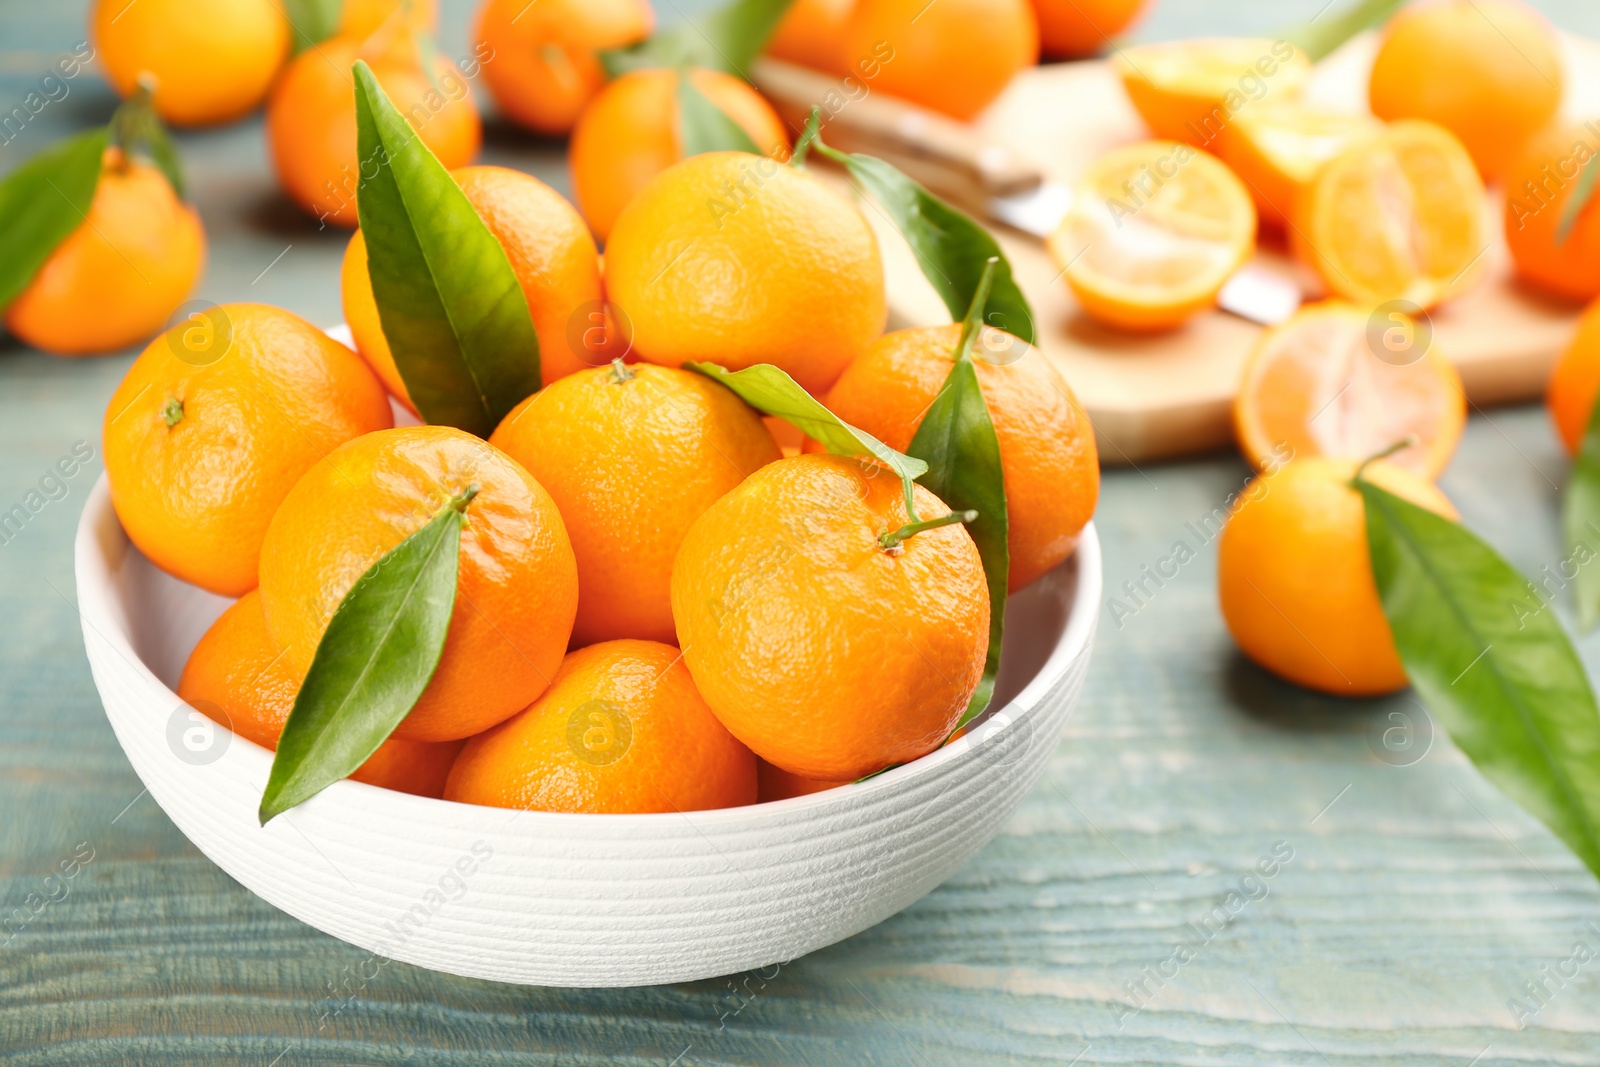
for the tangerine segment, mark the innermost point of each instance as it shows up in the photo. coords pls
(828, 654)
(237, 676)
(1294, 576)
(1277, 149)
(1154, 231)
(621, 729)
(517, 585)
(1190, 90)
(1316, 386)
(1400, 215)
(632, 457)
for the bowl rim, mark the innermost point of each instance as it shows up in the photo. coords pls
(95, 570)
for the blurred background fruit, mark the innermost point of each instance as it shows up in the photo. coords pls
(550, 249)
(1190, 90)
(236, 670)
(630, 133)
(812, 35)
(1489, 71)
(119, 276)
(215, 422)
(1575, 382)
(632, 456)
(1071, 29)
(1277, 148)
(1155, 230)
(737, 260)
(1047, 451)
(311, 115)
(829, 655)
(212, 63)
(1295, 579)
(358, 18)
(621, 729)
(517, 586)
(1399, 215)
(953, 56)
(545, 66)
(1540, 185)
(1318, 386)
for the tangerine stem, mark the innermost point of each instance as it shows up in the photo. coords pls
(460, 501)
(892, 541)
(1404, 442)
(621, 372)
(172, 412)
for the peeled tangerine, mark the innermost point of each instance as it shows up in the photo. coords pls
(1338, 381)
(1295, 579)
(238, 677)
(1399, 215)
(829, 654)
(1154, 231)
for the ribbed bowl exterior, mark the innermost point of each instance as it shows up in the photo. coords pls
(575, 900)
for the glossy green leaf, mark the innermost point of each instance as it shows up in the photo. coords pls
(771, 391)
(450, 304)
(313, 21)
(1582, 193)
(705, 127)
(43, 201)
(375, 659)
(1580, 522)
(138, 131)
(1328, 30)
(951, 248)
(957, 440)
(1492, 663)
(725, 39)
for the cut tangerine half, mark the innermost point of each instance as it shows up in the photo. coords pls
(1192, 90)
(1277, 149)
(1400, 215)
(1337, 381)
(1154, 231)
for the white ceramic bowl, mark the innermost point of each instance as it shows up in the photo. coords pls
(573, 900)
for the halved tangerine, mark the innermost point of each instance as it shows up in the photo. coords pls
(1278, 147)
(1338, 381)
(1191, 90)
(1398, 215)
(1154, 231)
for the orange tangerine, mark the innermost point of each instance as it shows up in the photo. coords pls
(1399, 215)
(1319, 385)
(1540, 185)
(1154, 231)
(621, 729)
(1575, 382)
(809, 34)
(1072, 29)
(1191, 90)
(1277, 148)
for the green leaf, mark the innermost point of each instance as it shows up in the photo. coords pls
(951, 248)
(1581, 195)
(1324, 34)
(375, 659)
(957, 441)
(41, 203)
(313, 21)
(771, 391)
(1492, 663)
(451, 308)
(137, 130)
(726, 39)
(704, 127)
(1580, 521)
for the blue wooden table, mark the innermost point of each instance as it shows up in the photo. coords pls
(1410, 915)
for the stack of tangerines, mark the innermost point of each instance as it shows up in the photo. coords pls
(657, 607)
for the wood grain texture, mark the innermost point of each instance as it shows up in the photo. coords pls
(1412, 909)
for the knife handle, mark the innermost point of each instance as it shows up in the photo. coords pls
(858, 118)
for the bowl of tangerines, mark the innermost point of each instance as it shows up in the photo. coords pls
(578, 630)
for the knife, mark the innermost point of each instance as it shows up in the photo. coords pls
(953, 161)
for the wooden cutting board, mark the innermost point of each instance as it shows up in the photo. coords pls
(1171, 394)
